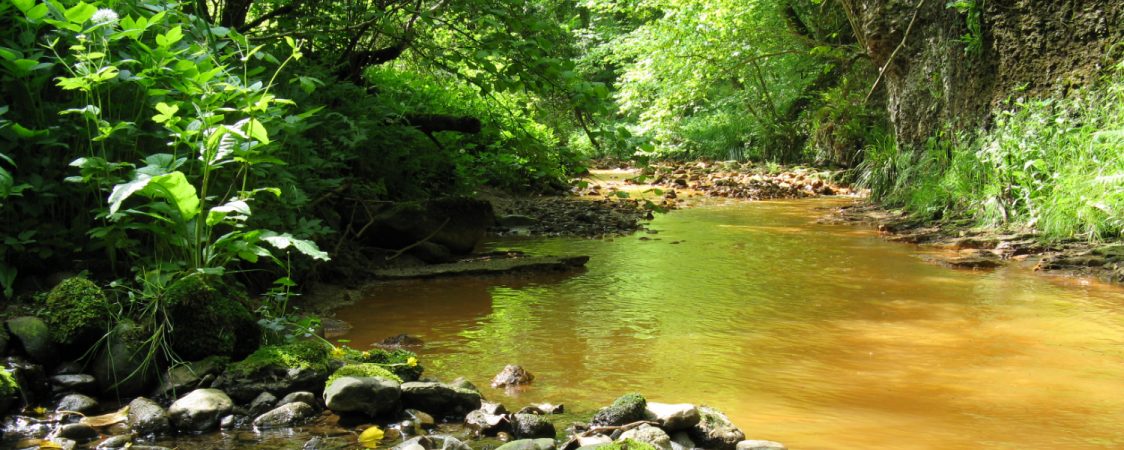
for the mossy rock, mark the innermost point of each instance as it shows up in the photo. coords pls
(298, 355)
(34, 336)
(210, 319)
(8, 390)
(624, 410)
(396, 361)
(126, 364)
(362, 370)
(77, 312)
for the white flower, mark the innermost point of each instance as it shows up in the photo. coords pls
(104, 15)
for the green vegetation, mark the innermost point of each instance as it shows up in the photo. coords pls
(1049, 165)
(362, 370)
(76, 310)
(297, 355)
(627, 444)
(8, 384)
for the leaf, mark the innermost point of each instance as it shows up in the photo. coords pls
(167, 112)
(123, 191)
(286, 240)
(238, 210)
(177, 191)
(80, 13)
(106, 420)
(371, 437)
(256, 130)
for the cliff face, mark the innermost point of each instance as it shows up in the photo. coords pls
(1028, 48)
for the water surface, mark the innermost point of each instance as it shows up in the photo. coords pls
(818, 336)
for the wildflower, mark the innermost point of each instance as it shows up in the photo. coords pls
(412, 361)
(365, 354)
(338, 352)
(39, 411)
(104, 15)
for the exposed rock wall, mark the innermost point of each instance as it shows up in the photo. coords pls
(1030, 48)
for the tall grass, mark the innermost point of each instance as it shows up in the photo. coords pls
(1055, 166)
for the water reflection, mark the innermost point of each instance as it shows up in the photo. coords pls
(819, 336)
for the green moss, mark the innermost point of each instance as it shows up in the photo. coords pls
(397, 360)
(298, 355)
(627, 408)
(362, 370)
(77, 310)
(8, 384)
(627, 444)
(210, 319)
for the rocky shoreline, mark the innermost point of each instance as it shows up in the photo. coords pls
(970, 247)
(335, 398)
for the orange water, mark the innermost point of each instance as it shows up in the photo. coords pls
(818, 336)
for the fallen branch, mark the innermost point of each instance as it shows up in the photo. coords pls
(427, 238)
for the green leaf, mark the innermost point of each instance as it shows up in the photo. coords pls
(167, 112)
(256, 130)
(123, 191)
(286, 240)
(24, 5)
(177, 191)
(80, 13)
(237, 210)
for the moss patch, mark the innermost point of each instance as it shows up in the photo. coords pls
(396, 360)
(626, 409)
(8, 384)
(362, 370)
(298, 355)
(210, 319)
(76, 311)
(627, 444)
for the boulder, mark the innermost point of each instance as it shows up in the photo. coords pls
(286, 415)
(439, 399)
(760, 445)
(76, 312)
(672, 417)
(5, 338)
(262, 403)
(299, 396)
(147, 417)
(34, 337)
(77, 432)
(300, 366)
(114, 442)
(73, 383)
(648, 434)
(372, 396)
(595, 440)
(210, 318)
(525, 426)
(680, 440)
(458, 223)
(463, 383)
(432, 443)
(626, 409)
(78, 403)
(528, 444)
(512, 375)
(421, 419)
(30, 381)
(715, 430)
(186, 377)
(200, 410)
(120, 366)
(490, 419)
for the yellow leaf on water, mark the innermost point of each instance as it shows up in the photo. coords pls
(49, 444)
(371, 437)
(106, 420)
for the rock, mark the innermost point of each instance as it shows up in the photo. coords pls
(115, 442)
(463, 383)
(672, 417)
(74, 383)
(420, 418)
(34, 338)
(200, 410)
(246, 387)
(5, 338)
(516, 221)
(626, 409)
(542, 408)
(64, 443)
(595, 440)
(77, 403)
(432, 443)
(286, 415)
(368, 395)
(525, 426)
(528, 444)
(78, 432)
(458, 223)
(330, 443)
(262, 403)
(432, 253)
(512, 375)
(649, 435)
(120, 367)
(439, 399)
(715, 430)
(186, 377)
(147, 417)
(210, 318)
(486, 424)
(682, 441)
(760, 445)
(232, 421)
(400, 341)
(299, 396)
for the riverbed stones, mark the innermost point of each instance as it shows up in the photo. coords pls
(672, 417)
(512, 375)
(147, 417)
(78, 403)
(439, 399)
(528, 444)
(286, 415)
(73, 383)
(262, 403)
(715, 430)
(760, 445)
(185, 377)
(648, 434)
(246, 387)
(120, 367)
(115, 442)
(525, 426)
(200, 410)
(372, 396)
(77, 432)
(34, 337)
(299, 396)
(626, 409)
(490, 419)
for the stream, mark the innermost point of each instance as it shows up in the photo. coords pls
(818, 336)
